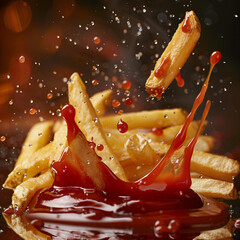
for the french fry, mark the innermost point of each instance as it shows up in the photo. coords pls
(215, 166)
(169, 133)
(101, 101)
(88, 122)
(204, 144)
(39, 161)
(223, 233)
(26, 190)
(177, 53)
(214, 188)
(146, 119)
(210, 165)
(22, 226)
(32, 165)
(38, 136)
(140, 151)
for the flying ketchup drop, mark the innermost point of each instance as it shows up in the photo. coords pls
(100, 147)
(128, 101)
(126, 84)
(122, 126)
(215, 57)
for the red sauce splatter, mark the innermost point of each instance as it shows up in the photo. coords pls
(115, 103)
(161, 70)
(126, 84)
(32, 111)
(100, 147)
(180, 80)
(215, 57)
(186, 27)
(49, 95)
(128, 101)
(96, 40)
(37, 223)
(94, 82)
(157, 131)
(122, 126)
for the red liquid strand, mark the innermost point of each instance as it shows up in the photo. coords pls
(157, 131)
(128, 101)
(215, 57)
(186, 27)
(115, 103)
(160, 72)
(122, 126)
(126, 84)
(180, 80)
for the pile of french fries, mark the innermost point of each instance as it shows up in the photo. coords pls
(129, 155)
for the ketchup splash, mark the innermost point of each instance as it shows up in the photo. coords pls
(180, 80)
(159, 204)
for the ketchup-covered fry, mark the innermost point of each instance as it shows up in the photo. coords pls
(175, 55)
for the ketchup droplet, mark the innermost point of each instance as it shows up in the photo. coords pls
(237, 224)
(157, 131)
(94, 82)
(215, 57)
(126, 84)
(21, 59)
(180, 80)
(128, 101)
(49, 95)
(96, 40)
(92, 144)
(122, 126)
(186, 27)
(100, 147)
(32, 111)
(115, 103)
(162, 69)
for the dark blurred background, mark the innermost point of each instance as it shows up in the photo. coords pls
(43, 42)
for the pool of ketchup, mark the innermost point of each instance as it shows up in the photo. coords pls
(161, 205)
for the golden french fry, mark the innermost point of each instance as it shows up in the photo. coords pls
(89, 124)
(204, 144)
(140, 151)
(175, 55)
(22, 226)
(39, 161)
(210, 165)
(223, 233)
(101, 101)
(215, 166)
(26, 190)
(214, 188)
(146, 119)
(32, 165)
(38, 136)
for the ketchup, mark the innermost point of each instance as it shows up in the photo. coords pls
(163, 67)
(160, 205)
(186, 27)
(180, 80)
